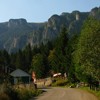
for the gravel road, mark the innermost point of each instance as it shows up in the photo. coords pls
(65, 94)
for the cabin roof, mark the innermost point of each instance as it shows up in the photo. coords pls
(19, 73)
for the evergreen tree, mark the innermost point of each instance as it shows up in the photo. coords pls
(38, 66)
(58, 57)
(19, 60)
(72, 46)
(27, 53)
(6, 57)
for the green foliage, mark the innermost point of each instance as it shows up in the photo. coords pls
(60, 82)
(7, 92)
(26, 94)
(4, 58)
(27, 57)
(72, 45)
(12, 93)
(38, 66)
(22, 59)
(87, 54)
(58, 57)
(19, 60)
(53, 61)
(97, 93)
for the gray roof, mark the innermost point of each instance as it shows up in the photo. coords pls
(19, 73)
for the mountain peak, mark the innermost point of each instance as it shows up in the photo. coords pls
(95, 12)
(16, 22)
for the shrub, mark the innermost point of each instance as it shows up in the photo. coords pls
(12, 93)
(60, 82)
(4, 96)
(7, 92)
(25, 94)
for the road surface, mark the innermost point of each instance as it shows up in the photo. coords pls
(58, 93)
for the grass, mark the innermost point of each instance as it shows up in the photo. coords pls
(59, 82)
(26, 94)
(9, 93)
(96, 93)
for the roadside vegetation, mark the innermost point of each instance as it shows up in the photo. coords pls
(8, 92)
(96, 93)
(59, 82)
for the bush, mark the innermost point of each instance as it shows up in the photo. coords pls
(7, 92)
(72, 85)
(12, 93)
(60, 82)
(96, 93)
(26, 94)
(37, 92)
(4, 96)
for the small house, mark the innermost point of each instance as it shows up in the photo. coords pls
(20, 76)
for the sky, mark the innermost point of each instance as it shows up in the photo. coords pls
(42, 10)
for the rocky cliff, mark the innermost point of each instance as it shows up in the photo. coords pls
(17, 33)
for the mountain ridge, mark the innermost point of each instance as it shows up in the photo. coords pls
(17, 33)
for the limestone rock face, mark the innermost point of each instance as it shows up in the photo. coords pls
(17, 33)
(16, 22)
(95, 12)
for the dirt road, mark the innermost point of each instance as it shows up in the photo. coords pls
(65, 94)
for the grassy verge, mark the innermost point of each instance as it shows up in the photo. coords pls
(9, 93)
(96, 93)
(26, 94)
(59, 82)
